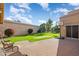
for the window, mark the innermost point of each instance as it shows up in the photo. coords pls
(72, 31)
(68, 31)
(75, 31)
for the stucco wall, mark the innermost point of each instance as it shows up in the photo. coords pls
(71, 19)
(19, 28)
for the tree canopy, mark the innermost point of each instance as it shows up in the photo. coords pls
(47, 27)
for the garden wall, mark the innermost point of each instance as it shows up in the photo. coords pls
(19, 28)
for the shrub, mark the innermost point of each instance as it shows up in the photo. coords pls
(39, 31)
(30, 31)
(9, 32)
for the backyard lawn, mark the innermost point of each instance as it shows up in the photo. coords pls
(33, 37)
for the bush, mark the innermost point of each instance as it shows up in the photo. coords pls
(9, 32)
(39, 31)
(30, 31)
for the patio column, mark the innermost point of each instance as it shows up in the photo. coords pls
(1, 18)
(78, 32)
(1, 12)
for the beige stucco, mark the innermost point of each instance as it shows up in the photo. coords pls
(19, 28)
(71, 19)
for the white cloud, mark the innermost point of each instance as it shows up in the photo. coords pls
(44, 6)
(22, 10)
(13, 10)
(20, 18)
(8, 18)
(41, 21)
(23, 5)
(30, 16)
(76, 8)
(62, 10)
(25, 20)
(74, 4)
(16, 15)
(54, 23)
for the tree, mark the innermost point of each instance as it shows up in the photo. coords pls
(9, 32)
(56, 28)
(45, 27)
(48, 25)
(30, 31)
(42, 27)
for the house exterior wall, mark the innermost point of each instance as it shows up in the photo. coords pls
(71, 19)
(19, 28)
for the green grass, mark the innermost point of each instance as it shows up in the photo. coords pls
(33, 37)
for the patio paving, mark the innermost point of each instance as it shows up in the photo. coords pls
(39, 48)
(68, 48)
(51, 47)
(1, 52)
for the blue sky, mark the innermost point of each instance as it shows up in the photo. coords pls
(37, 13)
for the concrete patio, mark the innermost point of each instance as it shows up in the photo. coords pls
(51, 47)
(68, 48)
(39, 48)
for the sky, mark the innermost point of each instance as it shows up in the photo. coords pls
(37, 13)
